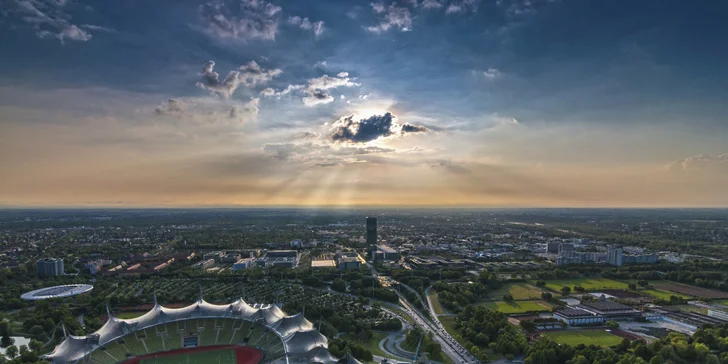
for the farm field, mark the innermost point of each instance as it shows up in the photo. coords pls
(586, 337)
(519, 291)
(665, 295)
(690, 290)
(518, 306)
(589, 284)
(225, 356)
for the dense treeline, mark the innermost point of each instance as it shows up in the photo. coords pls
(483, 329)
(706, 346)
(456, 296)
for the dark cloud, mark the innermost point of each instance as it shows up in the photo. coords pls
(364, 130)
(374, 127)
(317, 96)
(409, 128)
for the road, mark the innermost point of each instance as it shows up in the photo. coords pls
(449, 345)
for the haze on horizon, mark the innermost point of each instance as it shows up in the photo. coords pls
(507, 103)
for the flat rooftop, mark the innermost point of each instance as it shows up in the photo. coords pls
(323, 264)
(574, 313)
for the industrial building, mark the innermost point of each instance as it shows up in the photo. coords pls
(577, 316)
(384, 253)
(610, 310)
(49, 267)
(280, 258)
(243, 263)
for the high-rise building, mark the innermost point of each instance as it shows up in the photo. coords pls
(614, 255)
(49, 267)
(371, 231)
(566, 247)
(552, 247)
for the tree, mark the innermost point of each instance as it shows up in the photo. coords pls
(540, 283)
(547, 296)
(5, 329)
(508, 297)
(643, 283)
(338, 285)
(565, 290)
(657, 359)
(11, 351)
(578, 289)
(35, 345)
(612, 324)
(632, 286)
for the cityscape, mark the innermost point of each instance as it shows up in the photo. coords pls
(363, 182)
(385, 286)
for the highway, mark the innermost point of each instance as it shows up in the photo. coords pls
(449, 345)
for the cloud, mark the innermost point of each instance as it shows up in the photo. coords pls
(252, 74)
(272, 92)
(50, 19)
(316, 27)
(372, 128)
(491, 73)
(316, 88)
(698, 162)
(431, 4)
(462, 6)
(246, 20)
(249, 74)
(171, 107)
(207, 110)
(317, 97)
(247, 110)
(394, 17)
(409, 128)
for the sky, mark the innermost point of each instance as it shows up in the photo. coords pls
(505, 103)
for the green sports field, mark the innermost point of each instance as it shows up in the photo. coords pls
(518, 306)
(586, 337)
(589, 284)
(223, 356)
(519, 291)
(658, 293)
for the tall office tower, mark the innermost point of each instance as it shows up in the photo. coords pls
(371, 231)
(614, 255)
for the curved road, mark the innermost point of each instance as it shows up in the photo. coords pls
(450, 347)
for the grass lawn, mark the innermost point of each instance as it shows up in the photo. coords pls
(589, 284)
(371, 344)
(519, 291)
(518, 306)
(435, 303)
(225, 356)
(129, 315)
(658, 293)
(586, 337)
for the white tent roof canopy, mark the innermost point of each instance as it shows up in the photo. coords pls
(300, 340)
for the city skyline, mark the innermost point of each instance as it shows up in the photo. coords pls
(457, 103)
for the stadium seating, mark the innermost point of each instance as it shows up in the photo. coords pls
(153, 341)
(134, 346)
(116, 350)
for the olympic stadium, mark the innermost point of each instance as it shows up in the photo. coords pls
(206, 333)
(67, 290)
